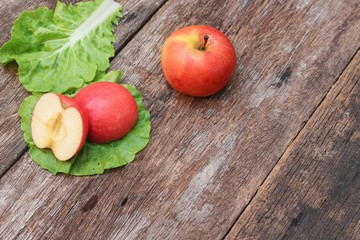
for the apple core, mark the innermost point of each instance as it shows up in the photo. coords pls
(59, 124)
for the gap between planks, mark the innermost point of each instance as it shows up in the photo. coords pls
(289, 145)
(143, 23)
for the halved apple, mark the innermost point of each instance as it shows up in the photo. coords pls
(60, 124)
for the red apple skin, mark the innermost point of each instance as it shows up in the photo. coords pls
(111, 109)
(193, 71)
(67, 102)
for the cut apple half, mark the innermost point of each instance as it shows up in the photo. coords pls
(59, 123)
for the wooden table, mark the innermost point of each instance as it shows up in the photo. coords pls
(275, 155)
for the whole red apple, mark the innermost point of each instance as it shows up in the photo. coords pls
(59, 123)
(198, 60)
(111, 109)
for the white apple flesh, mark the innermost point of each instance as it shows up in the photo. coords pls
(59, 124)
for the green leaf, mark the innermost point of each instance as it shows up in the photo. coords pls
(61, 50)
(93, 158)
(112, 76)
(25, 111)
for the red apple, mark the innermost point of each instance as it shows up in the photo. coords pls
(198, 60)
(60, 124)
(111, 109)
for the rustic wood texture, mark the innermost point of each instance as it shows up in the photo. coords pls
(314, 190)
(12, 93)
(203, 173)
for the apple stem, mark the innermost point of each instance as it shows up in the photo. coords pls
(203, 47)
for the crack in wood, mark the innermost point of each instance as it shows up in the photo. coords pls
(132, 16)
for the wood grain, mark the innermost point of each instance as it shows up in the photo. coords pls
(11, 144)
(313, 192)
(12, 93)
(207, 157)
(216, 152)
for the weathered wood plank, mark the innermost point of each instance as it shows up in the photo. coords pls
(11, 91)
(11, 144)
(207, 157)
(216, 152)
(314, 191)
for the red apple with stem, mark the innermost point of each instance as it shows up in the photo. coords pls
(60, 124)
(111, 109)
(198, 60)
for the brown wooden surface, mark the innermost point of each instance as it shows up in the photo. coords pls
(275, 155)
(313, 192)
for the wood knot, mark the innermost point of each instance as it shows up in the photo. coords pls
(283, 79)
(90, 204)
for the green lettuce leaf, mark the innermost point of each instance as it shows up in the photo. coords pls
(93, 158)
(112, 76)
(61, 50)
